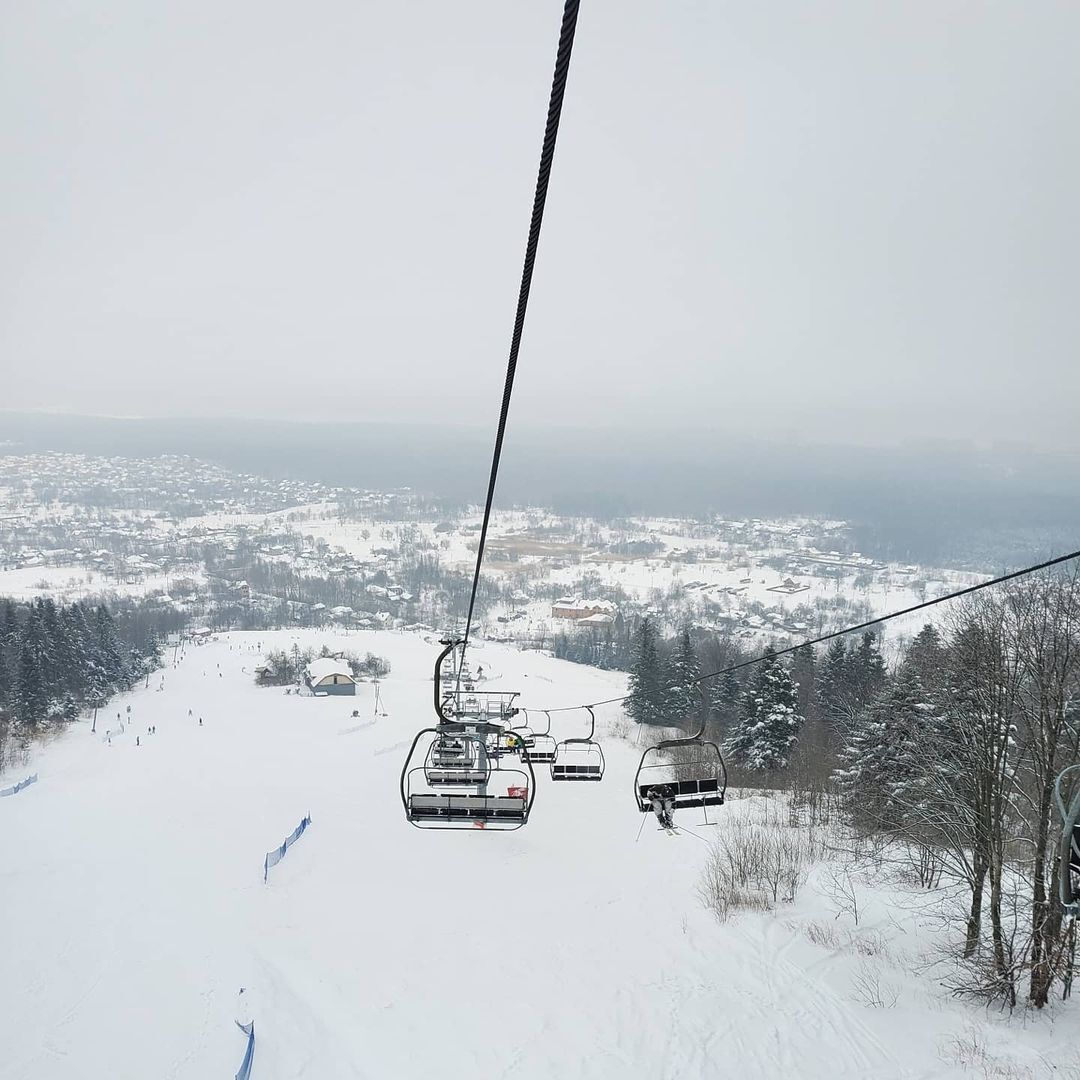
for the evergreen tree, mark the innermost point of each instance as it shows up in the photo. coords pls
(927, 656)
(109, 651)
(646, 702)
(833, 692)
(804, 675)
(683, 697)
(31, 695)
(769, 722)
(9, 636)
(866, 670)
(881, 764)
(726, 695)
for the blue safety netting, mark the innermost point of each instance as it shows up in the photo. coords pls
(275, 856)
(249, 1054)
(19, 786)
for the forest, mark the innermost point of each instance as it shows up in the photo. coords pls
(57, 660)
(942, 762)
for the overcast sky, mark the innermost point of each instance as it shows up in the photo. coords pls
(804, 217)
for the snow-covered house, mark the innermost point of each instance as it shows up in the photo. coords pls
(328, 675)
(599, 619)
(570, 607)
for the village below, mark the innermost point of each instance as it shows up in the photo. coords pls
(211, 685)
(212, 550)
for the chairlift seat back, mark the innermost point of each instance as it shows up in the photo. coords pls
(685, 793)
(459, 807)
(438, 777)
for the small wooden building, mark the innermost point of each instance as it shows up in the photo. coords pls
(329, 676)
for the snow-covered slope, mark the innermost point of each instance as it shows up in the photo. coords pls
(133, 910)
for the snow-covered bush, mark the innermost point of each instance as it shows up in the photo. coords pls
(757, 864)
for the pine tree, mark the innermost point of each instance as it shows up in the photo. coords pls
(725, 698)
(109, 651)
(9, 637)
(833, 683)
(645, 702)
(31, 695)
(881, 764)
(769, 723)
(927, 656)
(804, 675)
(683, 699)
(867, 669)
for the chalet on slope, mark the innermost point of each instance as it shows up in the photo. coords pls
(571, 607)
(329, 676)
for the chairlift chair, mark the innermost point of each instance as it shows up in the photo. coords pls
(523, 733)
(698, 780)
(459, 757)
(506, 807)
(578, 759)
(541, 748)
(456, 759)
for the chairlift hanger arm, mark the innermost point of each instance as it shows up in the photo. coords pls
(1069, 869)
(450, 647)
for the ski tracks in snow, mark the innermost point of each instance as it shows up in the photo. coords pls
(812, 1030)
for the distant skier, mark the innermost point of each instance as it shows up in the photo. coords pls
(200, 721)
(137, 743)
(663, 805)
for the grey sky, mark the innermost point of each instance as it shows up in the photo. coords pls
(791, 215)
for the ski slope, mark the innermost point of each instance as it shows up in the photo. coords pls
(133, 910)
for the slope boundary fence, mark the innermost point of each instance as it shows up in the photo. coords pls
(275, 856)
(249, 1053)
(16, 788)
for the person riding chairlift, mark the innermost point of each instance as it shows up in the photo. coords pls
(663, 804)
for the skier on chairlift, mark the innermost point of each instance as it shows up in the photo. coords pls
(663, 805)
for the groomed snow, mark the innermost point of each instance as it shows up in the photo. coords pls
(133, 910)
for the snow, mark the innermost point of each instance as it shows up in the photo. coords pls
(134, 910)
(326, 666)
(75, 582)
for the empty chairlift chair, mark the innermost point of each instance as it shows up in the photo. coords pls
(690, 772)
(540, 745)
(439, 797)
(579, 759)
(455, 759)
(455, 781)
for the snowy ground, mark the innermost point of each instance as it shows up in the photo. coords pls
(72, 583)
(133, 909)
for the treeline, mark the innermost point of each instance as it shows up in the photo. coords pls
(762, 713)
(952, 765)
(58, 659)
(944, 763)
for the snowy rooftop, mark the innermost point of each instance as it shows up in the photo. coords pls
(319, 669)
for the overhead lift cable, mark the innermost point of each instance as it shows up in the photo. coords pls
(547, 154)
(1012, 576)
